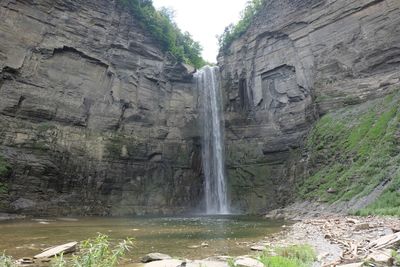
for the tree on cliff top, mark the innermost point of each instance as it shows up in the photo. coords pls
(234, 31)
(164, 30)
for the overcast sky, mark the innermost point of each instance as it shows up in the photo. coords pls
(204, 19)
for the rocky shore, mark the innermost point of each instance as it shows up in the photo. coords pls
(338, 241)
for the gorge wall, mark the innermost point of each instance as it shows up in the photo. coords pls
(94, 118)
(299, 60)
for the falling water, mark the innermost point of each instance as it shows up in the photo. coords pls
(213, 143)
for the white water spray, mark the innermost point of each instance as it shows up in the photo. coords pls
(213, 143)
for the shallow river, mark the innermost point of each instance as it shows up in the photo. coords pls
(225, 235)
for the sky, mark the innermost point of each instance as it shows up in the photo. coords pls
(204, 19)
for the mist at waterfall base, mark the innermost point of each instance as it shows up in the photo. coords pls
(215, 189)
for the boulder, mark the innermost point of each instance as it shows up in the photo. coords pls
(155, 257)
(203, 263)
(381, 257)
(247, 262)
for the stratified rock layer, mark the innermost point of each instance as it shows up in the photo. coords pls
(94, 119)
(299, 60)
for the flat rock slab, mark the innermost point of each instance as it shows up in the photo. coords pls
(66, 248)
(164, 263)
(202, 263)
(248, 262)
(381, 256)
(155, 257)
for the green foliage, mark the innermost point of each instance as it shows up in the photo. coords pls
(388, 203)
(396, 257)
(354, 150)
(291, 256)
(4, 167)
(96, 252)
(231, 262)
(279, 261)
(161, 26)
(6, 261)
(3, 189)
(304, 253)
(232, 32)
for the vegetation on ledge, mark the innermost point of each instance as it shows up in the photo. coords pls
(160, 24)
(234, 31)
(4, 167)
(356, 151)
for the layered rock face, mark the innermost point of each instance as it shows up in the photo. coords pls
(299, 60)
(94, 118)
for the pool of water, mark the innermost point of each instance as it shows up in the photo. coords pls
(176, 236)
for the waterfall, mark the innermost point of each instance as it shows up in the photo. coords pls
(212, 142)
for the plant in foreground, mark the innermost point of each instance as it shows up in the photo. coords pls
(6, 261)
(96, 252)
(291, 256)
(396, 257)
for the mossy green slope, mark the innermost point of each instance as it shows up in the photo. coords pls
(353, 151)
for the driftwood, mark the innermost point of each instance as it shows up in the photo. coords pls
(385, 241)
(65, 248)
(342, 231)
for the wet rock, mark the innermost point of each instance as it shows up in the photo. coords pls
(258, 248)
(25, 261)
(204, 245)
(155, 257)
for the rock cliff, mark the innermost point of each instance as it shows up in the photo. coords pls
(299, 60)
(94, 118)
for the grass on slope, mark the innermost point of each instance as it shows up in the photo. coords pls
(354, 150)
